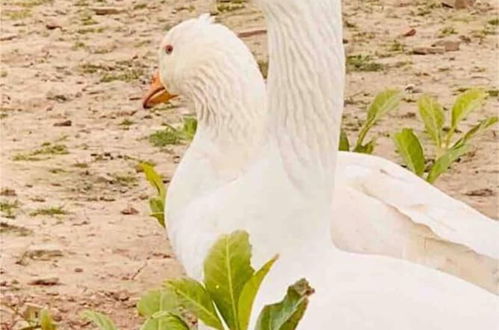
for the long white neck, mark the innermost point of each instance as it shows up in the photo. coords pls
(230, 112)
(228, 107)
(305, 84)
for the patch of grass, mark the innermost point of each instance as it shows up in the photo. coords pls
(427, 7)
(8, 208)
(493, 92)
(57, 170)
(140, 6)
(127, 122)
(6, 228)
(165, 137)
(90, 30)
(78, 45)
(363, 63)
(121, 70)
(3, 115)
(49, 211)
(494, 21)
(3, 74)
(447, 31)
(86, 18)
(230, 6)
(129, 74)
(18, 14)
(171, 135)
(25, 157)
(125, 180)
(397, 46)
(80, 165)
(32, 3)
(51, 149)
(46, 149)
(90, 68)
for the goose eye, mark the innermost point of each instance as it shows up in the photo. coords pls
(168, 49)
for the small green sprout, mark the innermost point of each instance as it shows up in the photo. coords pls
(447, 148)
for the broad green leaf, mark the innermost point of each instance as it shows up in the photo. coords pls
(366, 148)
(157, 210)
(100, 320)
(248, 294)
(197, 300)
(226, 269)
(154, 179)
(478, 128)
(156, 204)
(443, 163)
(286, 314)
(158, 301)
(410, 149)
(465, 103)
(344, 143)
(433, 117)
(46, 321)
(383, 103)
(164, 321)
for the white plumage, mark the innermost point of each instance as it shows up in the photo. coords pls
(277, 183)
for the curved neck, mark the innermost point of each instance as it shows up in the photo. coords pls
(305, 84)
(228, 108)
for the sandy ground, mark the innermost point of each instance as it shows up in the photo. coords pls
(72, 133)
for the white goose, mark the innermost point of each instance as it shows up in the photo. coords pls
(379, 207)
(279, 187)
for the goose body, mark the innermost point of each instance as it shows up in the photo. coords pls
(393, 212)
(276, 179)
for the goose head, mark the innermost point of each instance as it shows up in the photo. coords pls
(205, 63)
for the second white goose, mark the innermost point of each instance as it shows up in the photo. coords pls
(379, 207)
(280, 190)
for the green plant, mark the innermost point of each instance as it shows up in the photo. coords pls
(8, 209)
(157, 203)
(384, 102)
(171, 135)
(225, 298)
(363, 63)
(26, 316)
(447, 149)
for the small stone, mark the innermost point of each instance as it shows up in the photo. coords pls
(64, 123)
(8, 192)
(57, 96)
(458, 4)
(409, 33)
(53, 25)
(45, 281)
(129, 211)
(78, 270)
(465, 39)
(485, 192)
(448, 45)
(8, 37)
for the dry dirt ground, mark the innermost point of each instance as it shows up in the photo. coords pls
(75, 227)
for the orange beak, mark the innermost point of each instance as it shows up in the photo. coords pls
(157, 93)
